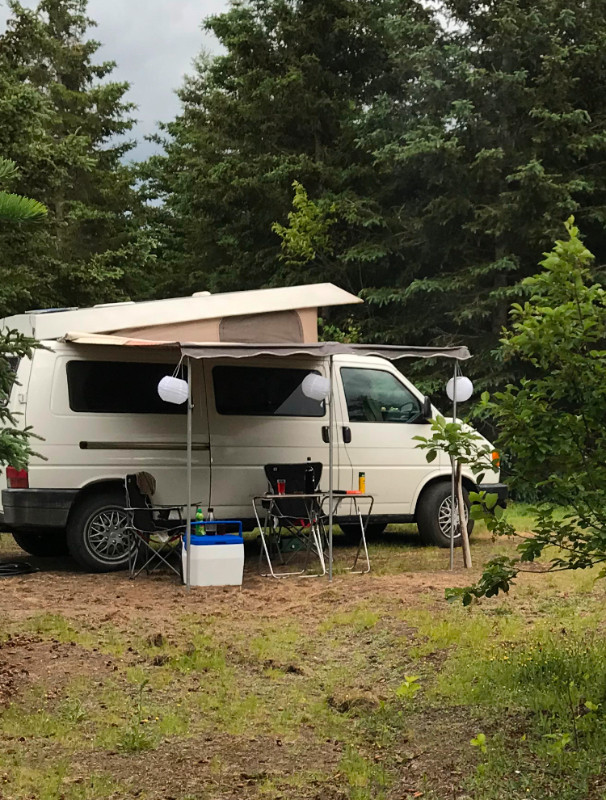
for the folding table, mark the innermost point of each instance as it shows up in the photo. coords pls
(315, 537)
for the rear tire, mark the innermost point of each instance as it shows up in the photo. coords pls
(97, 536)
(433, 516)
(44, 544)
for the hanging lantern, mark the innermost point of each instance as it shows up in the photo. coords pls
(173, 390)
(459, 389)
(316, 387)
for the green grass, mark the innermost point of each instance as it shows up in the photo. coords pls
(552, 692)
(53, 782)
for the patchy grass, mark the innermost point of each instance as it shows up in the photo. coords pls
(373, 688)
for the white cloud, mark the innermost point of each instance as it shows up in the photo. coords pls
(153, 43)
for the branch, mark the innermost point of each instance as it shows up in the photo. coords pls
(15, 208)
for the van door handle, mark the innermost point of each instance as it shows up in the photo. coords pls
(346, 434)
(325, 434)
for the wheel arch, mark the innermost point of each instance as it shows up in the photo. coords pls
(443, 477)
(93, 488)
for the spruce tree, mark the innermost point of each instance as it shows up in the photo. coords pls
(282, 104)
(430, 151)
(14, 439)
(507, 139)
(63, 122)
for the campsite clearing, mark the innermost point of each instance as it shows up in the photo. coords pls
(372, 687)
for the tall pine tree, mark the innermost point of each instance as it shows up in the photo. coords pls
(63, 122)
(508, 139)
(282, 104)
(436, 150)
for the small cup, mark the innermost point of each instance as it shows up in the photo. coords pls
(281, 486)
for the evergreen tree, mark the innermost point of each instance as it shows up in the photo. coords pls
(62, 122)
(282, 104)
(14, 440)
(434, 151)
(506, 140)
(15, 207)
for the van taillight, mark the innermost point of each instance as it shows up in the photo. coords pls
(17, 478)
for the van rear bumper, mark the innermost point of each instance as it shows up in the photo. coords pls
(37, 508)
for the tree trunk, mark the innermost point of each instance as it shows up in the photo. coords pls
(462, 520)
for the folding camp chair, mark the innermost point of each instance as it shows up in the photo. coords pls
(156, 538)
(294, 521)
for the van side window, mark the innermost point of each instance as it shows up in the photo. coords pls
(374, 395)
(263, 392)
(118, 387)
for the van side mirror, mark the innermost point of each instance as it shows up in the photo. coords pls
(426, 413)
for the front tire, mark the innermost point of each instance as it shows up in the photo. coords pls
(433, 516)
(97, 533)
(44, 544)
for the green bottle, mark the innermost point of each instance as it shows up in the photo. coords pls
(200, 518)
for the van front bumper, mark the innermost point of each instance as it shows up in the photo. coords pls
(36, 508)
(500, 489)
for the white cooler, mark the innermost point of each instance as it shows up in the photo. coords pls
(215, 560)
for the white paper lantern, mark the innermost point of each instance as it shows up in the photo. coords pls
(463, 388)
(173, 390)
(316, 387)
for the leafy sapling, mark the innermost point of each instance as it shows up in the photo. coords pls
(552, 421)
(466, 448)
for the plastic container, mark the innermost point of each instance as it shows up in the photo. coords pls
(215, 560)
(362, 482)
(210, 526)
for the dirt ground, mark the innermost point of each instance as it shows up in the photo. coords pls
(60, 586)
(314, 665)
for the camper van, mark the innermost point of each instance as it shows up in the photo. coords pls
(95, 403)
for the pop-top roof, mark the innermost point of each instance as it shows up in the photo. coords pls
(50, 324)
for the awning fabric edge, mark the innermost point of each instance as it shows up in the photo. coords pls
(245, 350)
(322, 349)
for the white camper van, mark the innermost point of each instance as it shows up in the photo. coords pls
(99, 413)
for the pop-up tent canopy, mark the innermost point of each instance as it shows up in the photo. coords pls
(322, 350)
(280, 314)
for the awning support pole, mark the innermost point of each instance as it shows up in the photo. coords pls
(331, 402)
(453, 467)
(189, 474)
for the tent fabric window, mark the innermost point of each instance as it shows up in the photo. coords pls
(374, 395)
(263, 392)
(277, 326)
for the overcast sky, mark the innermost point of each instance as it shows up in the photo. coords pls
(153, 43)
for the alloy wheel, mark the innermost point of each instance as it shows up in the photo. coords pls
(444, 518)
(107, 536)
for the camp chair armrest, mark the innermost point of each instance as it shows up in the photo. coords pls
(177, 507)
(167, 507)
